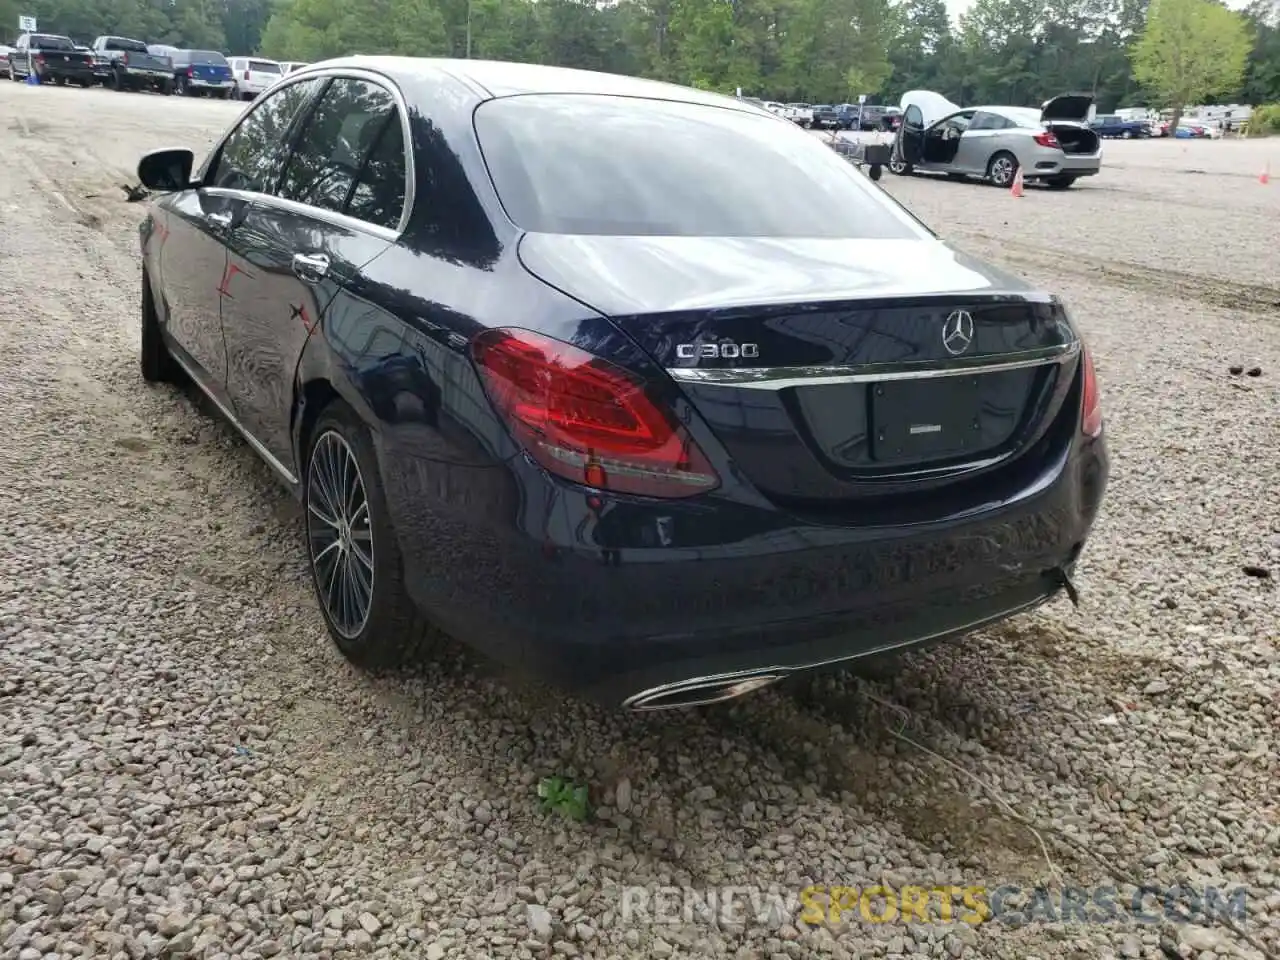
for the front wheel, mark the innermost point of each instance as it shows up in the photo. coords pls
(155, 360)
(900, 168)
(1127, 135)
(1002, 168)
(352, 548)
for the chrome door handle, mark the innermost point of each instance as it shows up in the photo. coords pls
(310, 266)
(219, 220)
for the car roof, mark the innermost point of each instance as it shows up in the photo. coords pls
(495, 78)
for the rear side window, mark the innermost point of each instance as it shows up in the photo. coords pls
(251, 157)
(263, 66)
(658, 168)
(350, 152)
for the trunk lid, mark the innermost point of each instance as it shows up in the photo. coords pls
(1071, 107)
(832, 370)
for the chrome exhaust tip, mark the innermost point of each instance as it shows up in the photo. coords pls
(699, 692)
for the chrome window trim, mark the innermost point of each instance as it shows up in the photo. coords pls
(330, 216)
(782, 378)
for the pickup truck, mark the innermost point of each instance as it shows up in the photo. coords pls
(125, 64)
(824, 116)
(50, 58)
(1113, 126)
(800, 113)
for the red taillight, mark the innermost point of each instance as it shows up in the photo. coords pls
(191, 71)
(38, 58)
(246, 74)
(586, 420)
(1090, 405)
(1047, 139)
(124, 58)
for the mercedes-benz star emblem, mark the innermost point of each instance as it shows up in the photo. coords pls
(957, 332)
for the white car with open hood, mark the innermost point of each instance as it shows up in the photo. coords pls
(1053, 145)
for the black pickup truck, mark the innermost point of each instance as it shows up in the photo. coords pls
(50, 58)
(125, 64)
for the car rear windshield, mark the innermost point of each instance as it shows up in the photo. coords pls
(622, 166)
(131, 46)
(44, 42)
(263, 66)
(204, 57)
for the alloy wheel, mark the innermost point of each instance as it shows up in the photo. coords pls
(339, 534)
(1002, 169)
(897, 167)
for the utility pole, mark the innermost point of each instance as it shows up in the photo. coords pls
(468, 29)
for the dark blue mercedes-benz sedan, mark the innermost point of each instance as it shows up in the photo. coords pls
(632, 386)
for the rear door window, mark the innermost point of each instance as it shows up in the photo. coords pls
(349, 130)
(661, 168)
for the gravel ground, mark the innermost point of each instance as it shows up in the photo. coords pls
(188, 768)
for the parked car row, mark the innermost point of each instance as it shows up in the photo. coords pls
(122, 63)
(842, 116)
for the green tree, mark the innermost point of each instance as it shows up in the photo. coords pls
(1191, 50)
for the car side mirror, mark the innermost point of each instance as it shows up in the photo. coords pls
(166, 170)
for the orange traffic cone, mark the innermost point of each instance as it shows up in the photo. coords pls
(1016, 189)
(1265, 177)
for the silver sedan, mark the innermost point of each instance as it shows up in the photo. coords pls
(1053, 144)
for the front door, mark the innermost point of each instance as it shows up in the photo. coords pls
(328, 218)
(909, 144)
(196, 277)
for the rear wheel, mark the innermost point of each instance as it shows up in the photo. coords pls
(1002, 168)
(1127, 135)
(899, 167)
(1059, 183)
(352, 549)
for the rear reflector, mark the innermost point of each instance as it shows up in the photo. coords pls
(586, 420)
(1090, 405)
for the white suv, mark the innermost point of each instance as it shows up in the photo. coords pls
(252, 75)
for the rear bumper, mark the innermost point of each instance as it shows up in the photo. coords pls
(74, 71)
(1053, 163)
(200, 83)
(627, 596)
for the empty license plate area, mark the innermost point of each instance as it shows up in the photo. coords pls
(917, 421)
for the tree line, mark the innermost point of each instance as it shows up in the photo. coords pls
(1126, 52)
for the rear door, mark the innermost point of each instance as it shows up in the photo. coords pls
(338, 205)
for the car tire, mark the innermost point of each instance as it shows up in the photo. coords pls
(1059, 183)
(1127, 135)
(155, 360)
(86, 84)
(382, 627)
(166, 88)
(1002, 168)
(900, 168)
